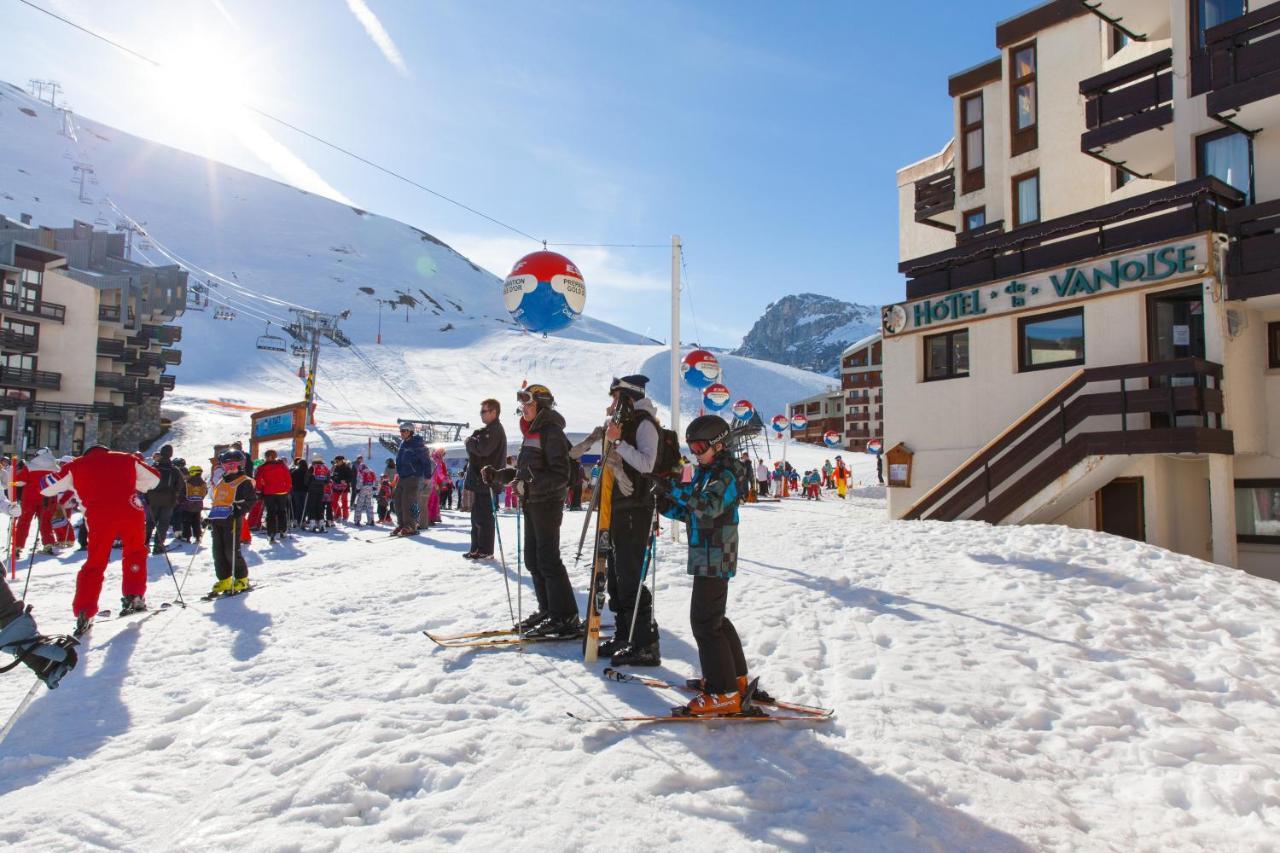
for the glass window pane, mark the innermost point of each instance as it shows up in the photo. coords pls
(973, 110)
(1025, 98)
(1214, 12)
(1053, 340)
(1029, 200)
(1258, 511)
(975, 219)
(960, 353)
(935, 357)
(1227, 159)
(1024, 63)
(973, 149)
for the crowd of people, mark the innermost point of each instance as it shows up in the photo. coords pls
(151, 506)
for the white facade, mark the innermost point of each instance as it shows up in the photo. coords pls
(861, 365)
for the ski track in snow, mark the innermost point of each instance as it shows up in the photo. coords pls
(996, 688)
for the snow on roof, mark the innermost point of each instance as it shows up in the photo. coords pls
(857, 345)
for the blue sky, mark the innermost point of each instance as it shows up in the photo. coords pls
(765, 134)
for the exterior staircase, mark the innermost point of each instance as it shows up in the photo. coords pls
(1079, 437)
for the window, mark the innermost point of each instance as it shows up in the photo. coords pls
(1022, 99)
(1026, 198)
(974, 219)
(1120, 178)
(6, 429)
(946, 356)
(1051, 340)
(1273, 345)
(18, 361)
(52, 435)
(1119, 39)
(1258, 511)
(973, 176)
(1206, 14)
(1228, 156)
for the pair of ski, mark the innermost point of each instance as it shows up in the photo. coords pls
(214, 596)
(496, 638)
(794, 711)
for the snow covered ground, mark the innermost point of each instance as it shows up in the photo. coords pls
(996, 688)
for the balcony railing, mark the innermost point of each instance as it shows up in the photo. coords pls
(171, 356)
(114, 381)
(870, 379)
(1244, 64)
(1124, 102)
(17, 341)
(33, 307)
(1164, 214)
(109, 313)
(111, 348)
(1253, 259)
(150, 388)
(20, 377)
(858, 418)
(167, 381)
(136, 369)
(936, 194)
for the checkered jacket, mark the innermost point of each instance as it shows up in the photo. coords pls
(708, 504)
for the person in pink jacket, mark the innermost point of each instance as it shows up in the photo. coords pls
(438, 478)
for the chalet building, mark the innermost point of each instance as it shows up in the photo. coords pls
(861, 380)
(83, 345)
(825, 413)
(1090, 333)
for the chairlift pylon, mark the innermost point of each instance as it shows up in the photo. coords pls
(270, 342)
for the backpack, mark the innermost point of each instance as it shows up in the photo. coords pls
(668, 462)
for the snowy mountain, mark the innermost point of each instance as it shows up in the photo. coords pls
(260, 245)
(809, 331)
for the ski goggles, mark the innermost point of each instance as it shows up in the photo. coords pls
(523, 396)
(699, 447)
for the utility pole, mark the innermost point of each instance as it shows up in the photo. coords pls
(54, 88)
(129, 230)
(675, 345)
(82, 171)
(310, 328)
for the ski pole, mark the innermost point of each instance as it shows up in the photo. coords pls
(497, 529)
(191, 563)
(13, 563)
(519, 575)
(174, 577)
(31, 560)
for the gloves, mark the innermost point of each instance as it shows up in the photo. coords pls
(503, 476)
(14, 510)
(662, 486)
(486, 474)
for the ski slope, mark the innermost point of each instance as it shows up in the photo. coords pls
(261, 246)
(1028, 688)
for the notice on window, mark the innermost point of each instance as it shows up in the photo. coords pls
(897, 473)
(1182, 336)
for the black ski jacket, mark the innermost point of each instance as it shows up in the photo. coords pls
(543, 463)
(485, 446)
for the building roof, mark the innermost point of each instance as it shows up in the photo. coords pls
(862, 344)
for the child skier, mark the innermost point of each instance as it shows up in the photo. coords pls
(317, 494)
(232, 500)
(366, 484)
(708, 504)
(193, 505)
(385, 491)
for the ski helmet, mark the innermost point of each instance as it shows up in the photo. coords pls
(705, 431)
(541, 394)
(232, 460)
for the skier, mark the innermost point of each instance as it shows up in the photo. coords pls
(33, 505)
(384, 500)
(439, 476)
(193, 505)
(413, 466)
(274, 482)
(344, 482)
(543, 470)
(298, 491)
(108, 484)
(232, 499)
(485, 449)
(841, 475)
(317, 493)
(161, 500)
(635, 440)
(709, 506)
(762, 477)
(366, 484)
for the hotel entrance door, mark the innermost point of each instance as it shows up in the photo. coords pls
(1175, 329)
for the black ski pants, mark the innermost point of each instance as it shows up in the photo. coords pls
(277, 507)
(629, 529)
(406, 501)
(191, 524)
(482, 521)
(542, 556)
(226, 551)
(299, 498)
(158, 520)
(719, 649)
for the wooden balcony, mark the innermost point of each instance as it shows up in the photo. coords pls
(1158, 216)
(167, 381)
(13, 304)
(858, 417)
(111, 348)
(1244, 69)
(935, 196)
(109, 313)
(114, 381)
(1253, 258)
(19, 377)
(18, 342)
(171, 356)
(1125, 108)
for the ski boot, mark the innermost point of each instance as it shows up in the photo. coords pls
(612, 646)
(533, 620)
(558, 627)
(239, 585)
(637, 655)
(50, 658)
(132, 604)
(46, 549)
(757, 695)
(84, 621)
(711, 705)
(221, 587)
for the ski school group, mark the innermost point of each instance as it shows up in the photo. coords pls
(131, 503)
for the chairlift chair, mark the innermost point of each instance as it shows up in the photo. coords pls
(270, 342)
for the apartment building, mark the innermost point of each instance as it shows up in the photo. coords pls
(1090, 333)
(861, 380)
(824, 412)
(83, 345)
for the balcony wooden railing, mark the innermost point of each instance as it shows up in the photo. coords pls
(26, 306)
(1126, 101)
(1244, 60)
(171, 356)
(869, 379)
(20, 377)
(114, 381)
(111, 348)
(1013, 467)
(18, 341)
(858, 417)
(1164, 214)
(1253, 258)
(167, 381)
(109, 313)
(936, 194)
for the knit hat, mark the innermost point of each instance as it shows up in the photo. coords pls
(631, 386)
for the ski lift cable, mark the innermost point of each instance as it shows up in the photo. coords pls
(340, 149)
(368, 362)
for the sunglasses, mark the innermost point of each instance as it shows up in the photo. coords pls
(699, 447)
